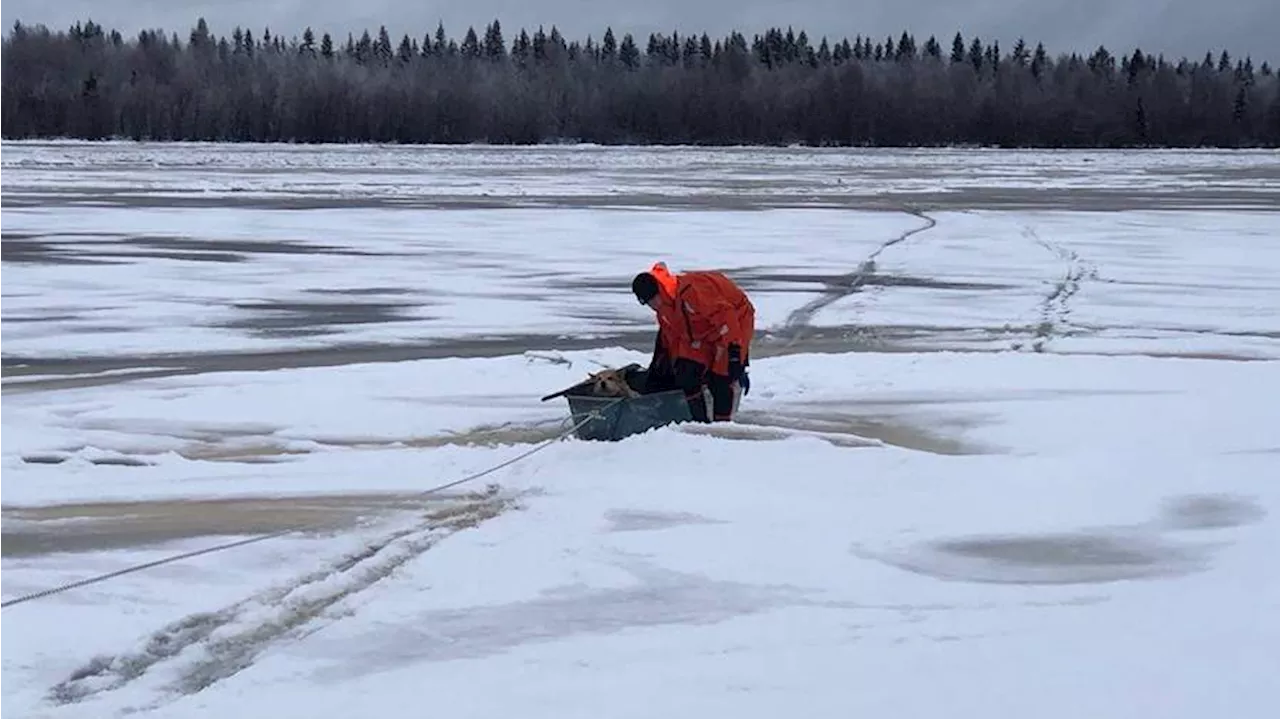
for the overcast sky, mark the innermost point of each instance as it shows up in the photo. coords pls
(1174, 27)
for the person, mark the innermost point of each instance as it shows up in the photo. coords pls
(705, 326)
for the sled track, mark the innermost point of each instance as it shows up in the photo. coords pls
(799, 320)
(202, 649)
(1054, 309)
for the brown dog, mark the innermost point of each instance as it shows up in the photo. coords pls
(611, 383)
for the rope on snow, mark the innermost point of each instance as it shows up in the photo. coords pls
(264, 537)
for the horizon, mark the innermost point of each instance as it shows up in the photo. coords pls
(1121, 26)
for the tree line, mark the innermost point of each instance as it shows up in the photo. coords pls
(779, 87)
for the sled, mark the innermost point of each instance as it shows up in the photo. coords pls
(621, 416)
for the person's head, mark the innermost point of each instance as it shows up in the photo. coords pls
(652, 286)
(645, 287)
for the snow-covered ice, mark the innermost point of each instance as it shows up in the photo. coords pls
(402, 274)
(1097, 540)
(1015, 463)
(307, 173)
(1156, 281)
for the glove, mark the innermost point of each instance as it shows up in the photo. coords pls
(737, 372)
(735, 362)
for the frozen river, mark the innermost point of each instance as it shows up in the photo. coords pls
(1009, 451)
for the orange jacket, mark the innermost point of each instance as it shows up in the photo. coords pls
(701, 314)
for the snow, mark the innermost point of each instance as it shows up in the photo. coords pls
(1082, 281)
(394, 173)
(769, 570)
(1045, 488)
(477, 274)
(1014, 280)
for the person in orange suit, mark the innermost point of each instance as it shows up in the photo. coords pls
(705, 326)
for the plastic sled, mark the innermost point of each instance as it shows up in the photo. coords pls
(620, 419)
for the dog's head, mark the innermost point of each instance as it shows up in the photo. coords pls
(610, 383)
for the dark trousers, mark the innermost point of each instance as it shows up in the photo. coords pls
(690, 377)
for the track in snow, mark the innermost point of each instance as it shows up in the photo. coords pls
(799, 321)
(202, 649)
(1055, 309)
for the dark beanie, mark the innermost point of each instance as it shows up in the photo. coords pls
(645, 287)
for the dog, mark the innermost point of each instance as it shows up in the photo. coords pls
(611, 383)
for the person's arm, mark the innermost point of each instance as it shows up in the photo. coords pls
(724, 330)
(658, 376)
(659, 358)
(722, 322)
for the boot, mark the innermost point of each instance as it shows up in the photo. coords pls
(698, 408)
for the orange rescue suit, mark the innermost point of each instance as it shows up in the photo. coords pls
(700, 314)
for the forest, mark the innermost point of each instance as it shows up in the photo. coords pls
(780, 87)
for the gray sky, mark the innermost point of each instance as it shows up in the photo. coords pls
(1174, 27)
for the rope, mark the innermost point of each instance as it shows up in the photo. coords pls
(264, 537)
